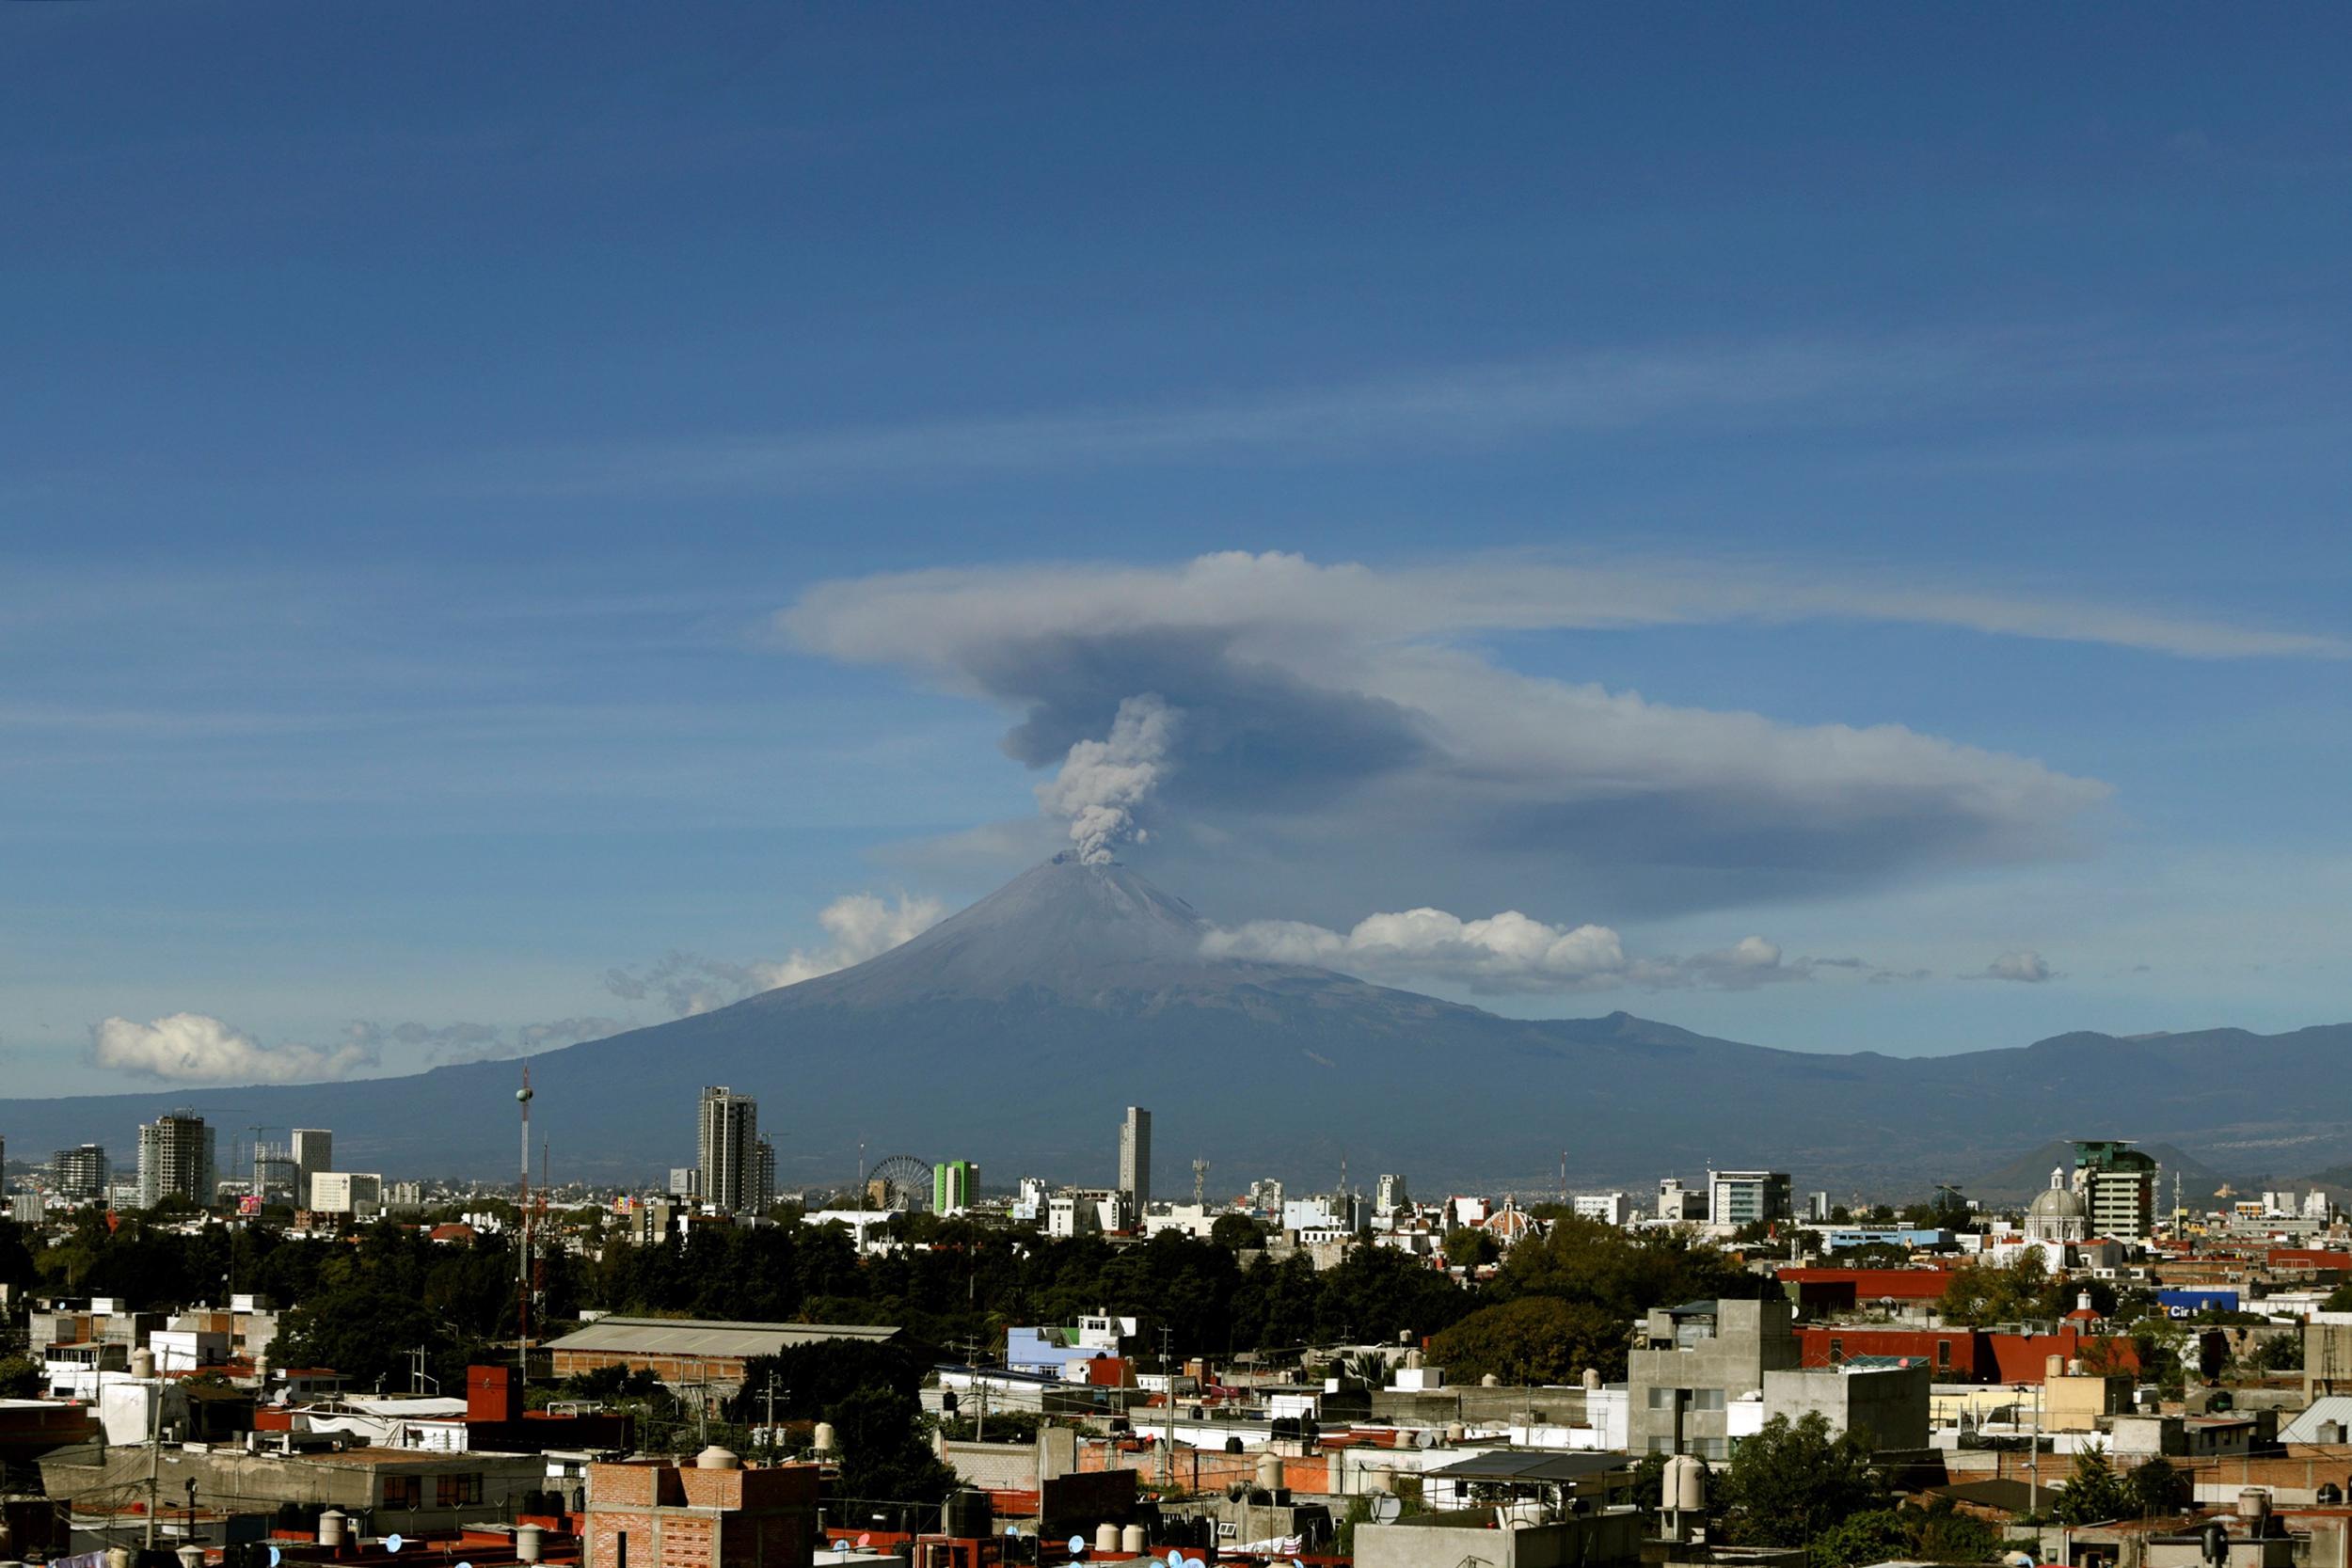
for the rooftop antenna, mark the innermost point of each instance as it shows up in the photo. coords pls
(523, 1265)
(1199, 1183)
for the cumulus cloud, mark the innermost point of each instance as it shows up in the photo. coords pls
(1507, 954)
(1102, 783)
(2024, 965)
(192, 1048)
(1325, 710)
(861, 924)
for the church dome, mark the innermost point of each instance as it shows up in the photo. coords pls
(2055, 1203)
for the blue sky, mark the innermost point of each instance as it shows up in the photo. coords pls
(455, 469)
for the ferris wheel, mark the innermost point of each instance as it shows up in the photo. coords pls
(902, 1182)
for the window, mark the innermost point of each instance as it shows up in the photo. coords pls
(1706, 1399)
(1944, 1354)
(1662, 1445)
(403, 1492)
(1836, 1352)
(1712, 1447)
(1662, 1398)
(456, 1491)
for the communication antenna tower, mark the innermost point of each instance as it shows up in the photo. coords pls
(522, 1262)
(1199, 1183)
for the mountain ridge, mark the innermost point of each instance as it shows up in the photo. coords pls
(1014, 1031)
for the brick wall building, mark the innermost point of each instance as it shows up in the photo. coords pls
(712, 1513)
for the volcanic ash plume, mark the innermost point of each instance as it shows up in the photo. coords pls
(1103, 782)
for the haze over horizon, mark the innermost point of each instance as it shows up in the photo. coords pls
(1832, 538)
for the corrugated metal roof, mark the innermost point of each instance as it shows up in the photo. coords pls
(1520, 1465)
(692, 1337)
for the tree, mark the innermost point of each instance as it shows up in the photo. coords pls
(2339, 1299)
(1791, 1483)
(1588, 1263)
(1468, 1248)
(20, 1377)
(883, 1456)
(1874, 1535)
(2280, 1352)
(1532, 1340)
(1235, 1231)
(2094, 1494)
(2156, 1488)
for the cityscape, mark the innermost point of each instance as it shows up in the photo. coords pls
(1327, 786)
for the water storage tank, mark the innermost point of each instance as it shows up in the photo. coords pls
(967, 1515)
(527, 1542)
(142, 1362)
(331, 1527)
(1490, 1381)
(1106, 1538)
(1691, 1486)
(2052, 1365)
(1456, 1431)
(717, 1458)
(2253, 1507)
(1131, 1540)
(824, 1443)
(1270, 1471)
(190, 1557)
(1592, 1380)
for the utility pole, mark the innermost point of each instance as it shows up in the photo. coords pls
(771, 1408)
(1168, 1449)
(154, 1452)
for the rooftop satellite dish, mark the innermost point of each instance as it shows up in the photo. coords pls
(1425, 1438)
(866, 1540)
(1077, 1545)
(1386, 1510)
(393, 1543)
(840, 1545)
(273, 1560)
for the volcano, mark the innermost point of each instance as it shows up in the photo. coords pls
(1015, 1032)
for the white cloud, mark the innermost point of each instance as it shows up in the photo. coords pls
(1507, 954)
(862, 925)
(2022, 965)
(191, 1048)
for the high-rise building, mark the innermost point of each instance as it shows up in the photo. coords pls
(726, 1150)
(312, 1151)
(953, 1184)
(175, 1160)
(1735, 1197)
(79, 1174)
(2117, 1186)
(1388, 1195)
(763, 1192)
(1135, 1160)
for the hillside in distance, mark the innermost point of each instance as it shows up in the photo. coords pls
(1014, 1032)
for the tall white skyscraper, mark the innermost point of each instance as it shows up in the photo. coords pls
(1135, 1160)
(727, 1151)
